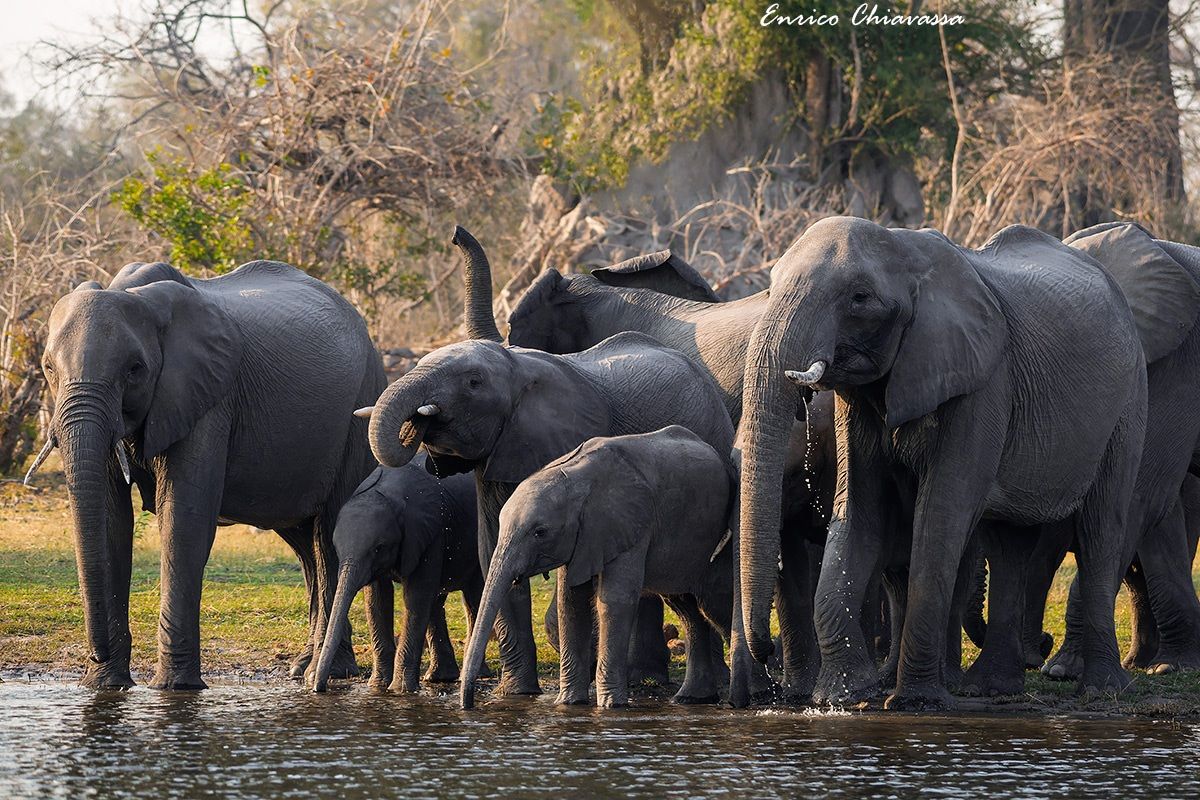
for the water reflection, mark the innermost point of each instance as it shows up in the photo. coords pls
(250, 741)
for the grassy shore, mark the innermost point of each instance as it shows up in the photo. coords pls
(254, 611)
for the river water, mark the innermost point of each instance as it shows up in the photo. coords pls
(59, 740)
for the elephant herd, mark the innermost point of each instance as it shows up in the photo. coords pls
(895, 429)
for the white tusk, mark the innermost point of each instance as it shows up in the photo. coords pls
(365, 412)
(123, 460)
(50, 444)
(809, 377)
(429, 410)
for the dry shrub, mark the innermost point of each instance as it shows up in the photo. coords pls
(1091, 145)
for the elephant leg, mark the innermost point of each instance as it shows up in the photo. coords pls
(114, 673)
(895, 584)
(1165, 555)
(794, 604)
(381, 611)
(964, 586)
(575, 641)
(649, 659)
(1067, 663)
(1000, 667)
(443, 665)
(419, 598)
(188, 498)
(700, 683)
(617, 604)
(472, 594)
(551, 623)
(300, 539)
(344, 663)
(1143, 645)
(1047, 557)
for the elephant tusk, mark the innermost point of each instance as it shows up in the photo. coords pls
(50, 444)
(428, 410)
(809, 377)
(123, 460)
(365, 412)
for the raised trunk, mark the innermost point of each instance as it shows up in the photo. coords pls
(499, 580)
(85, 434)
(768, 407)
(396, 428)
(478, 319)
(351, 579)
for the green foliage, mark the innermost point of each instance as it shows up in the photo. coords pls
(896, 74)
(201, 212)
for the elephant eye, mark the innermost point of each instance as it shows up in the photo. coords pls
(539, 532)
(48, 368)
(860, 297)
(136, 368)
(475, 383)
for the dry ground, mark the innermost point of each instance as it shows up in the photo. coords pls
(254, 610)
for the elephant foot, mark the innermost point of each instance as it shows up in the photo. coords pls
(681, 698)
(1106, 679)
(1168, 661)
(1067, 665)
(407, 685)
(299, 665)
(612, 700)
(569, 698)
(992, 681)
(1140, 656)
(952, 676)
(648, 675)
(181, 682)
(443, 673)
(845, 688)
(107, 676)
(378, 686)
(920, 698)
(517, 685)
(1037, 652)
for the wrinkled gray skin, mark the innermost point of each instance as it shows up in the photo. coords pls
(405, 526)
(661, 295)
(1161, 281)
(232, 399)
(1004, 384)
(505, 412)
(617, 517)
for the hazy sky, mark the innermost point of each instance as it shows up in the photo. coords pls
(25, 22)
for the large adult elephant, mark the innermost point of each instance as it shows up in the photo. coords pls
(661, 295)
(1006, 384)
(1164, 278)
(227, 400)
(506, 411)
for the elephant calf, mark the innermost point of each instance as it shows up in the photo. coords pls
(639, 513)
(403, 524)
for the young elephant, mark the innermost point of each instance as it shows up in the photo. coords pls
(405, 525)
(641, 513)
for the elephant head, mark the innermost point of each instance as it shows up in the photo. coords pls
(577, 512)
(138, 363)
(902, 315)
(384, 529)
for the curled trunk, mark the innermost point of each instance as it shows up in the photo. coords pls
(478, 319)
(396, 428)
(350, 580)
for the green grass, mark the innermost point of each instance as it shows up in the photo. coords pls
(254, 610)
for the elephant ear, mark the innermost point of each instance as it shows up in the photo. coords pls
(139, 273)
(956, 337)
(556, 409)
(541, 292)
(201, 354)
(1161, 292)
(616, 505)
(663, 272)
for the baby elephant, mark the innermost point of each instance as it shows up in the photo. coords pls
(403, 524)
(644, 512)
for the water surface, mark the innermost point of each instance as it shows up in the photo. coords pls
(59, 740)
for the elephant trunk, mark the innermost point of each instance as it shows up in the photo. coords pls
(500, 578)
(477, 310)
(85, 431)
(769, 406)
(351, 578)
(400, 419)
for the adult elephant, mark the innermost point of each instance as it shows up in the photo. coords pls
(960, 377)
(227, 400)
(506, 411)
(661, 295)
